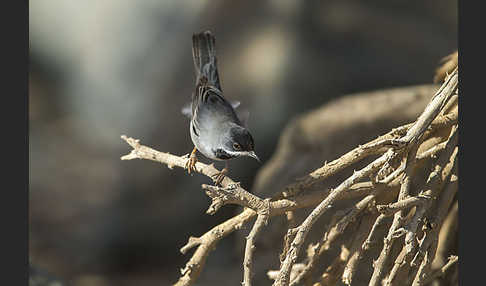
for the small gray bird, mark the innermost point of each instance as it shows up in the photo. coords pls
(216, 130)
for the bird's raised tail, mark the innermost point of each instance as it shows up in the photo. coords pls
(204, 56)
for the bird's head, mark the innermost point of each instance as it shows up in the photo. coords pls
(239, 142)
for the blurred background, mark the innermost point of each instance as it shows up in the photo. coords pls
(100, 69)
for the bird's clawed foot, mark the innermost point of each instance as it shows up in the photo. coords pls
(220, 176)
(191, 163)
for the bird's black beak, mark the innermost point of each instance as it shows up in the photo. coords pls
(254, 156)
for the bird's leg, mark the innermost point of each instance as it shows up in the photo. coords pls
(191, 163)
(221, 174)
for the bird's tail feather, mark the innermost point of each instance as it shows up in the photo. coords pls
(204, 56)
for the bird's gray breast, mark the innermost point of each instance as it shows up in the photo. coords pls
(210, 124)
(208, 130)
(204, 141)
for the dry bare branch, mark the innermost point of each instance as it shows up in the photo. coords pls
(374, 147)
(303, 229)
(433, 186)
(233, 194)
(449, 62)
(397, 158)
(356, 250)
(447, 236)
(438, 101)
(380, 264)
(439, 272)
(332, 273)
(330, 237)
(400, 205)
(206, 243)
(143, 152)
(429, 243)
(250, 247)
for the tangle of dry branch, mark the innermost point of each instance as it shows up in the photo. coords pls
(389, 175)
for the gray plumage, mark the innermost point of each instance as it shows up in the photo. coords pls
(216, 130)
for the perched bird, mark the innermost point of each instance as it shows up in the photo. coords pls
(216, 130)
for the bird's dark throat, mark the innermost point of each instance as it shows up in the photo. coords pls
(222, 155)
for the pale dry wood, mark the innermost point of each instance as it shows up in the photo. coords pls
(206, 244)
(374, 147)
(381, 263)
(371, 239)
(140, 151)
(452, 104)
(238, 195)
(433, 186)
(303, 229)
(332, 273)
(411, 140)
(453, 259)
(233, 194)
(330, 236)
(428, 245)
(434, 183)
(393, 175)
(296, 269)
(447, 236)
(283, 204)
(250, 248)
(432, 109)
(233, 189)
(352, 265)
(432, 152)
(395, 275)
(400, 205)
(278, 207)
(401, 269)
(448, 62)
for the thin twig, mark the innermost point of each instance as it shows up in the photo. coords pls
(206, 243)
(390, 209)
(412, 138)
(380, 264)
(374, 147)
(447, 236)
(332, 273)
(352, 265)
(433, 186)
(432, 109)
(250, 247)
(428, 246)
(440, 272)
(330, 237)
(303, 229)
(143, 152)
(286, 201)
(232, 194)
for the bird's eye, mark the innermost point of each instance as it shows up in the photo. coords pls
(236, 146)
